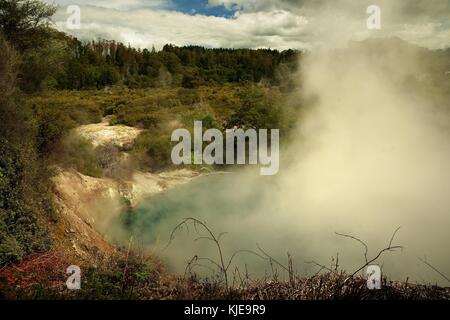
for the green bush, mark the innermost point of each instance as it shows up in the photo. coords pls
(19, 229)
(257, 111)
(78, 153)
(52, 127)
(207, 118)
(152, 150)
(10, 248)
(24, 177)
(188, 96)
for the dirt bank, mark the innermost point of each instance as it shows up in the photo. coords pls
(86, 204)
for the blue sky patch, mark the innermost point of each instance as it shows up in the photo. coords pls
(201, 7)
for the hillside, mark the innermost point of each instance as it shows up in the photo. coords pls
(112, 271)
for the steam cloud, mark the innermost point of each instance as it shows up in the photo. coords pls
(371, 153)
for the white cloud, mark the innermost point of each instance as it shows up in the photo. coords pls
(115, 4)
(279, 24)
(147, 27)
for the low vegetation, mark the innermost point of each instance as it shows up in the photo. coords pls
(134, 276)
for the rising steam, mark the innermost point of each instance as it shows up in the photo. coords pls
(371, 152)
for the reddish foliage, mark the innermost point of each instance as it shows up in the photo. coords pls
(38, 268)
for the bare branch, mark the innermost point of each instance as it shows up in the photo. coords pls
(393, 236)
(220, 235)
(390, 247)
(322, 267)
(212, 237)
(366, 249)
(204, 238)
(242, 251)
(434, 269)
(277, 262)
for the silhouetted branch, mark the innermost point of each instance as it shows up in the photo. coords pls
(358, 240)
(322, 267)
(390, 247)
(287, 269)
(434, 269)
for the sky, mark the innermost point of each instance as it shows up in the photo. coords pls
(276, 24)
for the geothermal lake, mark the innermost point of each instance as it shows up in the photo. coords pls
(281, 216)
(225, 203)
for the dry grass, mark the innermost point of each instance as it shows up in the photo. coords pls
(326, 286)
(134, 276)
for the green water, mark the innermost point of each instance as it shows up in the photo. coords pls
(227, 203)
(251, 210)
(212, 199)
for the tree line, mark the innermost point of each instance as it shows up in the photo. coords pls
(52, 59)
(101, 63)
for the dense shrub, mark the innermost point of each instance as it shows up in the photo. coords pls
(152, 150)
(52, 127)
(19, 229)
(70, 106)
(257, 111)
(78, 153)
(207, 118)
(24, 183)
(188, 96)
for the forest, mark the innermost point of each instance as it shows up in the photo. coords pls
(54, 60)
(105, 63)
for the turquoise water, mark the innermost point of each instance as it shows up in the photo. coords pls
(249, 208)
(212, 199)
(227, 203)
